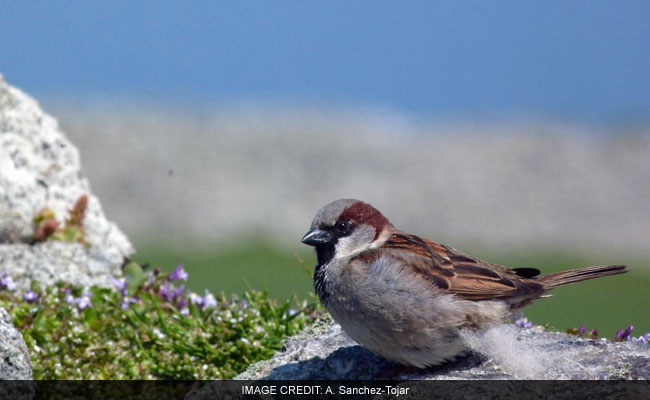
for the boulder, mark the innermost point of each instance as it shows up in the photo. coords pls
(14, 359)
(504, 352)
(41, 168)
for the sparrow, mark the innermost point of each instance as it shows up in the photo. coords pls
(408, 298)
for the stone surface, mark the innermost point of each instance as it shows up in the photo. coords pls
(14, 359)
(505, 352)
(40, 167)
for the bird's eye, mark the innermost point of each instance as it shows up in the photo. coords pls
(342, 227)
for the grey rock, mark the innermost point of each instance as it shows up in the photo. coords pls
(504, 352)
(53, 261)
(40, 167)
(14, 359)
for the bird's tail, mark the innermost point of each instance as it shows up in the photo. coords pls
(580, 274)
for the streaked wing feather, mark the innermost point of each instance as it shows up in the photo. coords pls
(465, 276)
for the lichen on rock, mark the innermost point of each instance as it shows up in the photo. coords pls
(504, 352)
(15, 362)
(40, 169)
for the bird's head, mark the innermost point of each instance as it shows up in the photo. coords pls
(345, 228)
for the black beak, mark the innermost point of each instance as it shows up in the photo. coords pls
(317, 237)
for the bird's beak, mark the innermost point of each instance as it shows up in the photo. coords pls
(317, 237)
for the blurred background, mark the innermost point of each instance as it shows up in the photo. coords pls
(518, 132)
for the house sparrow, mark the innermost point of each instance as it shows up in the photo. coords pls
(408, 298)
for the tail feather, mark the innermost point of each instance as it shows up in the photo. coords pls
(581, 274)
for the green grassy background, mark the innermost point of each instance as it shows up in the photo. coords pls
(607, 304)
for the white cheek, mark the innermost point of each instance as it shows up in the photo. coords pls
(346, 247)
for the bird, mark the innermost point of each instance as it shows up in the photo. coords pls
(408, 298)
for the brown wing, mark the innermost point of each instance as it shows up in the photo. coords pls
(465, 276)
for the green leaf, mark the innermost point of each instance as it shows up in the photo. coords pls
(136, 276)
(90, 315)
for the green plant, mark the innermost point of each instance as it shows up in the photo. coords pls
(148, 327)
(47, 227)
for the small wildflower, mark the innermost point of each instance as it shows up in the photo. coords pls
(127, 301)
(163, 291)
(619, 335)
(292, 312)
(121, 284)
(185, 311)
(210, 301)
(177, 292)
(181, 303)
(69, 298)
(243, 304)
(623, 334)
(83, 302)
(179, 273)
(522, 322)
(158, 333)
(207, 301)
(593, 334)
(7, 282)
(582, 330)
(645, 339)
(30, 296)
(626, 333)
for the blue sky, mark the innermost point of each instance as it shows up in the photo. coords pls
(580, 60)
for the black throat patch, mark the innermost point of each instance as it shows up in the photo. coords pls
(324, 254)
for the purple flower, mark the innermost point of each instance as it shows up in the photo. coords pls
(121, 284)
(644, 339)
(243, 304)
(179, 273)
(181, 303)
(69, 298)
(582, 330)
(7, 282)
(522, 322)
(210, 301)
(178, 292)
(83, 302)
(163, 291)
(170, 293)
(127, 301)
(626, 333)
(292, 312)
(623, 334)
(207, 301)
(30, 296)
(619, 335)
(593, 334)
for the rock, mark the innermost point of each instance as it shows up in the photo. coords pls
(14, 359)
(41, 168)
(504, 352)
